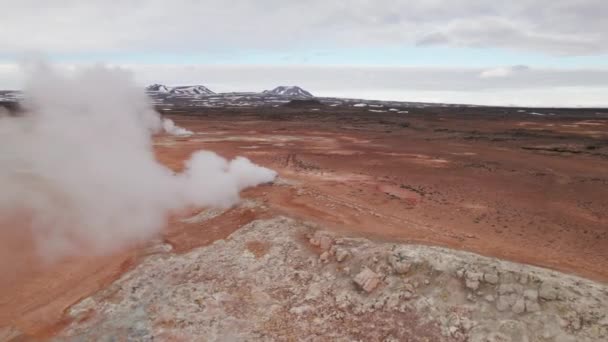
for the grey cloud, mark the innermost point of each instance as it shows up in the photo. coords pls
(562, 27)
(500, 32)
(434, 38)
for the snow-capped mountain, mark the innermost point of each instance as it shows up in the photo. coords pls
(288, 91)
(158, 88)
(180, 90)
(10, 95)
(191, 90)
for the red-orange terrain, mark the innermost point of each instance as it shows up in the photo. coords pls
(528, 189)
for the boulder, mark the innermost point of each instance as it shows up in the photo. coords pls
(523, 279)
(548, 291)
(472, 279)
(322, 241)
(324, 257)
(532, 306)
(502, 304)
(491, 278)
(341, 254)
(472, 284)
(519, 306)
(531, 299)
(504, 289)
(367, 280)
(399, 262)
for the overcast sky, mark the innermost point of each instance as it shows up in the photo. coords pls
(520, 52)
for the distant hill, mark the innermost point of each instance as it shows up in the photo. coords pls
(180, 90)
(191, 90)
(288, 91)
(157, 88)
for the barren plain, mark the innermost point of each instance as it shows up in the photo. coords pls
(435, 224)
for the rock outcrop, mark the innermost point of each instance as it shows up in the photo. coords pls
(340, 289)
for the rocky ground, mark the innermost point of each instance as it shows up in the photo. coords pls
(284, 280)
(368, 234)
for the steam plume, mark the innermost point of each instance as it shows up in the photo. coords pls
(79, 165)
(170, 127)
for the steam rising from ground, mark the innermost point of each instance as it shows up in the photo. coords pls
(80, 169)
(170, 127)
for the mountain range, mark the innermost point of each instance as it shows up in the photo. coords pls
(288, 91)
(180, 90)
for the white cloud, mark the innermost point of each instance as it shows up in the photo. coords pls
(64, 26)
(503, 71)
(496, 72)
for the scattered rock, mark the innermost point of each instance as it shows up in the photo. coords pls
(407, 295)
(531, 294)
(399, 262)
(502, 304)
(472, 275)
(392, 301)
(472, 284)
(509, 288)
(532, 306)
(321, 240)
(504, 289)
(324, 257)
(367, 280)
(491, 278)
(519, 306)
(453, 329)
(548, 291)
(344, 299)
(472, 279)
(299, 310)
(325, 242)
(409, 287)
(408, 291)
(460, 272)
(574, 320)
(486, 302)
(507, 277)
(341, 254)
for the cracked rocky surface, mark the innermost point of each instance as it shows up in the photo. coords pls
(283, 279)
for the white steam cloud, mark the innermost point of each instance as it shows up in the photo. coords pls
(79, 170)
(170, 127)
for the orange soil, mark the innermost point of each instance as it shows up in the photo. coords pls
(419, 184)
